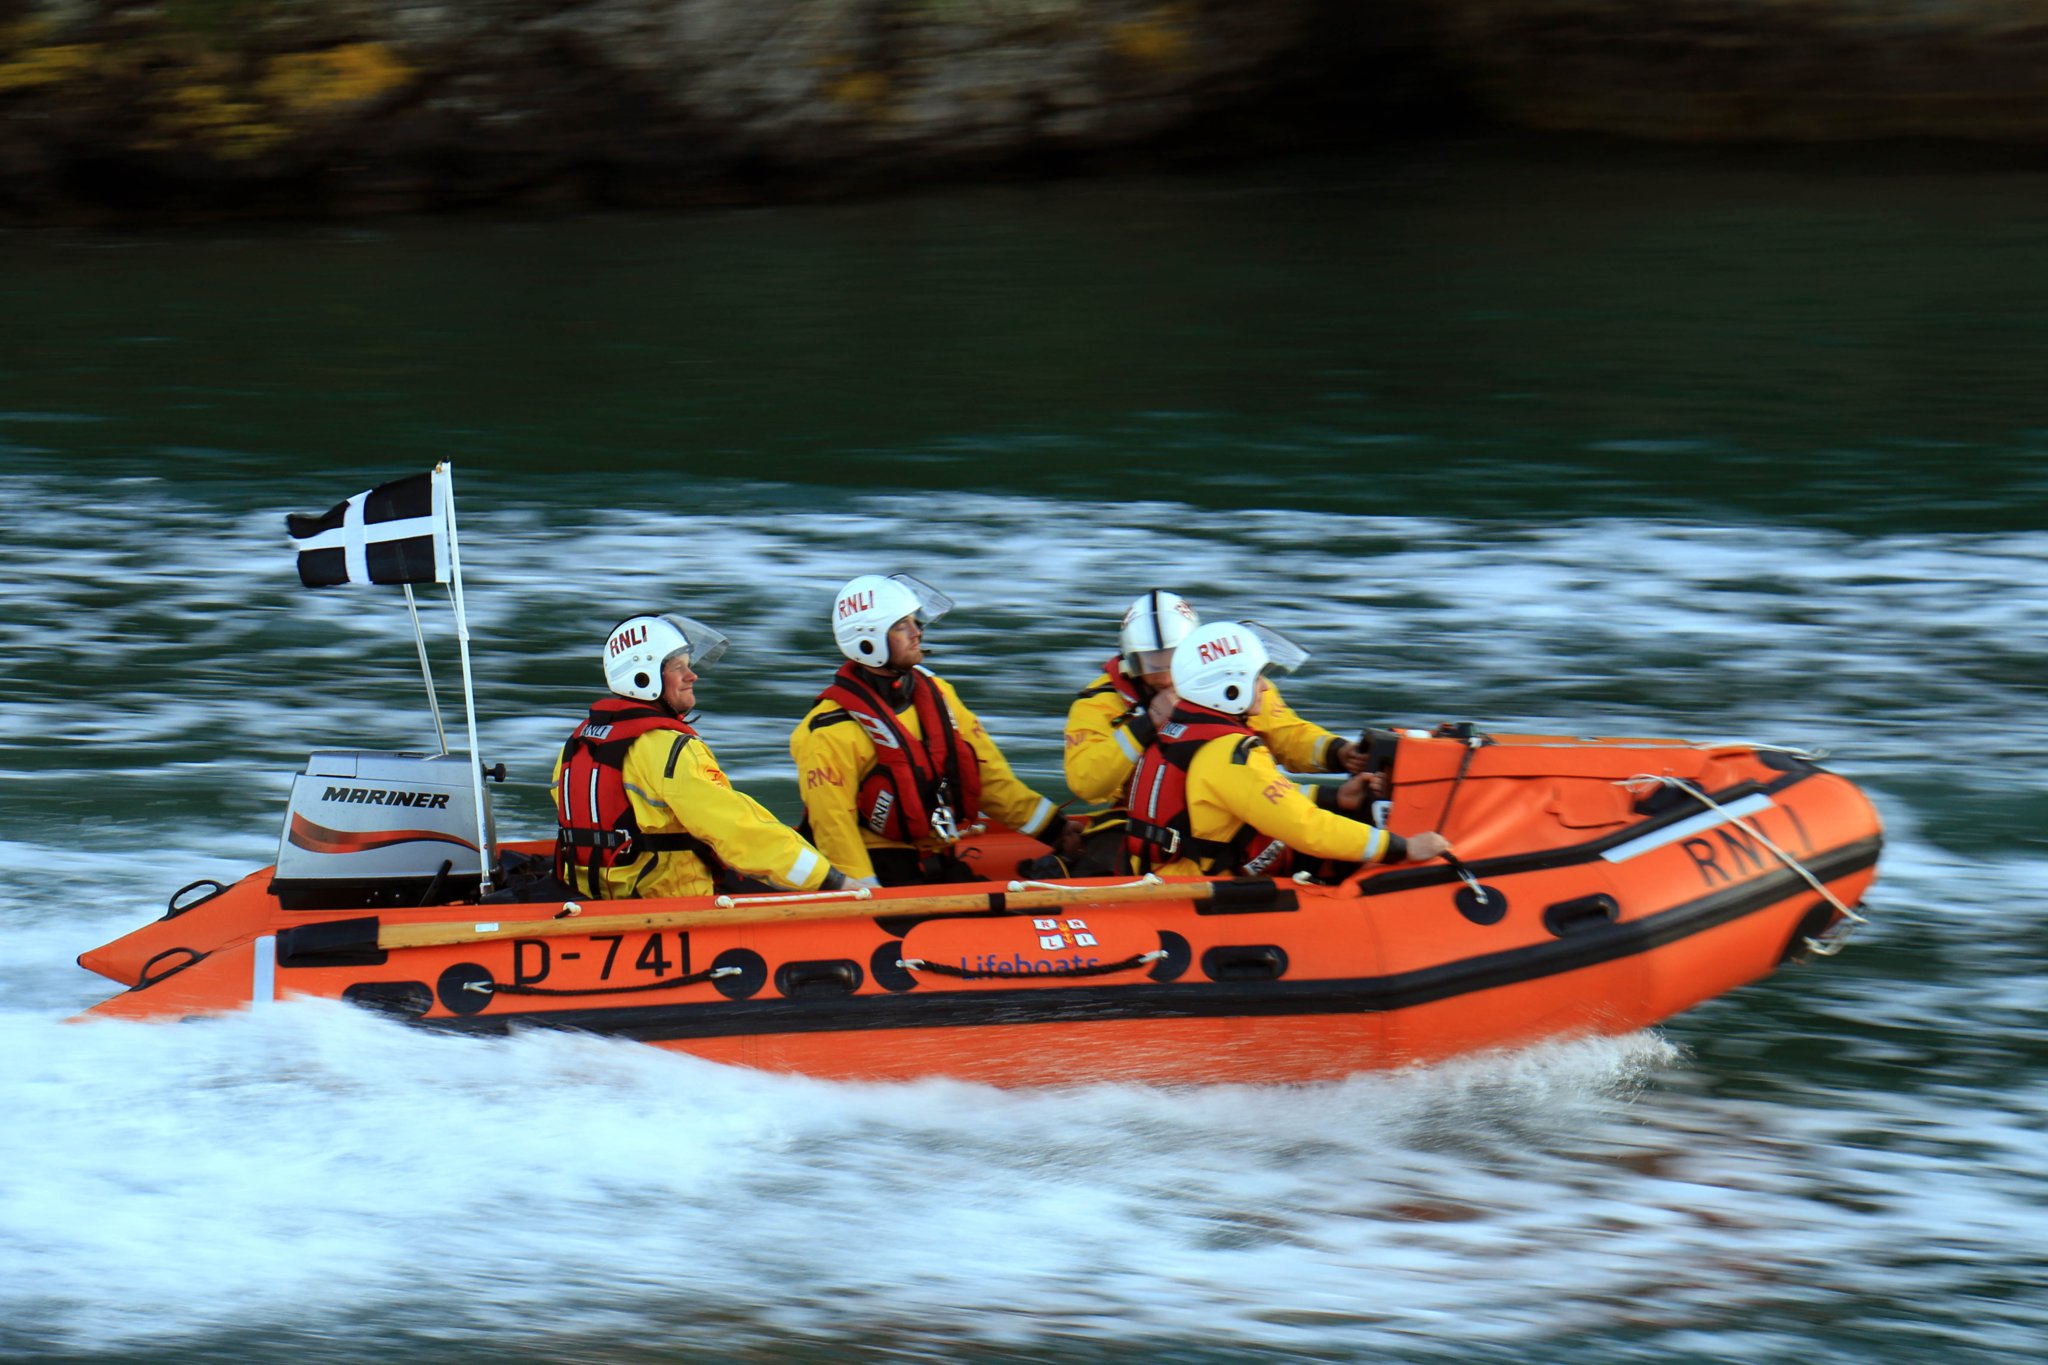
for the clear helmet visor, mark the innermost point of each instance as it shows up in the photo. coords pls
(1150, 661)
(702, 645)
(931, 603)
(1282, 654)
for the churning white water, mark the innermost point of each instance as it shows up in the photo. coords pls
(1856, 1143)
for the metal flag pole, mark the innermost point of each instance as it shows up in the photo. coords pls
(444, 475)
(420, 638)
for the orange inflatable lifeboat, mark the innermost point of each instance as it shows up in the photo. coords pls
(1603, 885)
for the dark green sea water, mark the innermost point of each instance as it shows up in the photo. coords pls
(1538, 435)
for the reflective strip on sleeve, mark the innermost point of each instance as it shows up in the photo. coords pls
(1375, 845)
(1041, 816)
(799, 873)
(1126, 743)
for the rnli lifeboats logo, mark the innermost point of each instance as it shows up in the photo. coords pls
(878, 818)
(1055, 934)
(1063, 947)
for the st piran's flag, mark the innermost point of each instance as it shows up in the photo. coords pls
(395, 533)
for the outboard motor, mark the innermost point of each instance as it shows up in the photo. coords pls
(368, 830)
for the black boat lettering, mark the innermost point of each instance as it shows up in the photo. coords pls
(522, 973)
(1743, 848)
(1706, 859)
(652, 958)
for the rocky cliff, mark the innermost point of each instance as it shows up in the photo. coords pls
(358, 105)
(1757, 70)
(340, 106)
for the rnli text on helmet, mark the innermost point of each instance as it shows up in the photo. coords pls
(1220, 648)
(854, 603)
(627, 638)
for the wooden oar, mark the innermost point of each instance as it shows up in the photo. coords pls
(357, 935)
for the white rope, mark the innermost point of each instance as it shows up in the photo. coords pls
(859, 893)
(1743, 823)
(1794, 751)
(1718, 746)
(1149, 879)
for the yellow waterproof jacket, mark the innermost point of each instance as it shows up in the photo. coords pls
(676, 787)
(1105, 738)
(834, 756)
(1233, 782)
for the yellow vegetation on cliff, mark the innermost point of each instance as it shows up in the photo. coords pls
(305, 82)
(866, 90)
(48, 65)
(1159, 39)
(210, 114)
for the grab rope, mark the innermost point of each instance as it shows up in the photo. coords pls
(918, 964)
(858, 893)
(1825, 948)
(1149, 879)
(689, 979)
(1789, 750)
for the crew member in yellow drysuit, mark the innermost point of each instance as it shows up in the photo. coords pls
(1207, 798)
(643, 808)
(1115, 717)
(892, 764)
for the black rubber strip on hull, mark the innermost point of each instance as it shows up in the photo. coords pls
(1190, 999)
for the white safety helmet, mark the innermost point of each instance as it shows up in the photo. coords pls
(869, 605)
(639, 646)
(1154, 624)
(1218, 666)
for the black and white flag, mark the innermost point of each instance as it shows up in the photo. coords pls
(395, 533)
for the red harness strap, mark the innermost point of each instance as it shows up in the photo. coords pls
(922, 786)
(1161, 828)
(596, 827)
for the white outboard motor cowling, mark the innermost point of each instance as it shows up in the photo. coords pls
(370, 830)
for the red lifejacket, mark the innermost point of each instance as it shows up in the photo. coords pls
(935, 773)
(1161, 829)
(597, 829)
(1125, 685)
